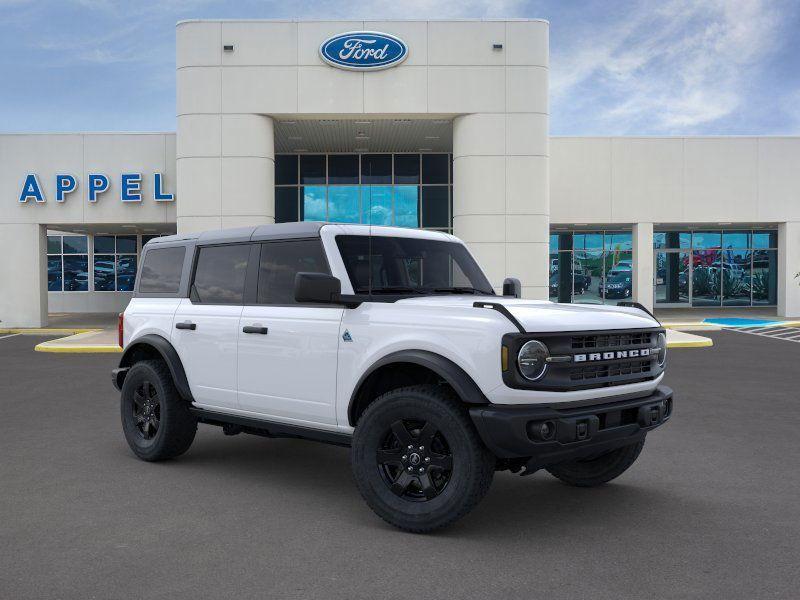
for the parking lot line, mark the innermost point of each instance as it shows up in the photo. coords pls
(2, 337)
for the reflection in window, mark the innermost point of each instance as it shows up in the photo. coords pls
(54, 276)
(406, 190)
(591, 267)
(219, 275)
(376, 205)
(114, 263)
(406, 206)
(765, 277)
(314, 203)
(343, 204)
(718, 268)
(67, 263)
(76, 273)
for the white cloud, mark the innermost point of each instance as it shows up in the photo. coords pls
(669, 69)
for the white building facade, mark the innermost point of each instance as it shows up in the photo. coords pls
(444, 126)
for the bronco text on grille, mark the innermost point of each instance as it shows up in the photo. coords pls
(580, 360)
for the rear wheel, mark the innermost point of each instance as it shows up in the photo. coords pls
(155, 420)
(417, 459)
(589, 472)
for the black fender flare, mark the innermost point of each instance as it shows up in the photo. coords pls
(168, 354)
(455, 376)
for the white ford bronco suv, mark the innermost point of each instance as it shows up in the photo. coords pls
(392, 342)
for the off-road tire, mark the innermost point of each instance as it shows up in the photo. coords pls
(176, 425)
(599, 470)
(472, 465)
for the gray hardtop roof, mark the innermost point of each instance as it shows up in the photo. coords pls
(277, 231)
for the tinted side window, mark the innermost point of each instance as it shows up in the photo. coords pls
(220, 274)
(161, 271)
(280, 262)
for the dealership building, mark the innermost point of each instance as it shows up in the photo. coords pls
(434, 124)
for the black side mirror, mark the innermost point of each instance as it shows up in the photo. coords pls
(512, 287)
(319, 288)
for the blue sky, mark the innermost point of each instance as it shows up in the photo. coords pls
(617, 67)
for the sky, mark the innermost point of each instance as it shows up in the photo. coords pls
(617, 67)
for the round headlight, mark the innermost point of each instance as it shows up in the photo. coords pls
(662, 349)
(532, 359)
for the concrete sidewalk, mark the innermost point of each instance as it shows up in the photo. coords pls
(98, 341)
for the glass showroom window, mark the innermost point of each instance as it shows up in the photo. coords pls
(67, 263)
(114, 263)
(716, 268)
(405, 190)
(591, 267)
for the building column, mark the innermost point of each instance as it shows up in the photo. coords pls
(642, 276)
(23, 271)
(501, 201)
(226, 171)
(788, 266)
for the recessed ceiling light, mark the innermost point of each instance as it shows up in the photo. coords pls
(402, 121)
(363, 122)
(426, 149)
(362, 136)
(288, 122)
(128, 226)
(301, 149)
(441, 121)
(431, 137)
(329, 121)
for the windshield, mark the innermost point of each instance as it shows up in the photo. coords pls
(401, 265)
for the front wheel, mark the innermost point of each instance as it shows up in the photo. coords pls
(417, 459)
(597, 470)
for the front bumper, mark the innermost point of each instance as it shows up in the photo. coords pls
(515, 431)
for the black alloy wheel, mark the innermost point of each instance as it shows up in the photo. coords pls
(414, 460)
(418, 460)
(156, 421)
(146, 409)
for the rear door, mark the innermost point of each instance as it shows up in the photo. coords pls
(206, 325)
(288, 351)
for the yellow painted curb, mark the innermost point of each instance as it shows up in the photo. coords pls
(704, 343)
(104, 349)
(46, 331)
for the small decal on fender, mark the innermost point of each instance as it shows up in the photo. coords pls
(346, 336)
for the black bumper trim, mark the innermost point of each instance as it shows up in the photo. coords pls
(576, 431)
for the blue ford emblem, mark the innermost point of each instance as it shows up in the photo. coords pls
(363, 50)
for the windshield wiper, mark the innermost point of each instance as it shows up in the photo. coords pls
(462, 290)
(392, 289)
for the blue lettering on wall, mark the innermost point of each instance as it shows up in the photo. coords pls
(98, 183)
(158, 195)
(31, 190)
(363, 50)
(65, 184)
(131, 188)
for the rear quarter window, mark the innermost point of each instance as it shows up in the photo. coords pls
(161, 270)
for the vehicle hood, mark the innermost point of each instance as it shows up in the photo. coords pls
(545, 316)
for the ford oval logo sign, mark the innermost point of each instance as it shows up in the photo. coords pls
(363, 50)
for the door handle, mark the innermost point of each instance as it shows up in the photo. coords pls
(255, 329)
(186, 325)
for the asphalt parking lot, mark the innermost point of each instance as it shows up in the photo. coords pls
(710, 510)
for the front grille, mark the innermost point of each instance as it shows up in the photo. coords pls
(611, 340)
(601, 371)
(604, 360)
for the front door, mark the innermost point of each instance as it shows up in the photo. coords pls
(288, 352)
